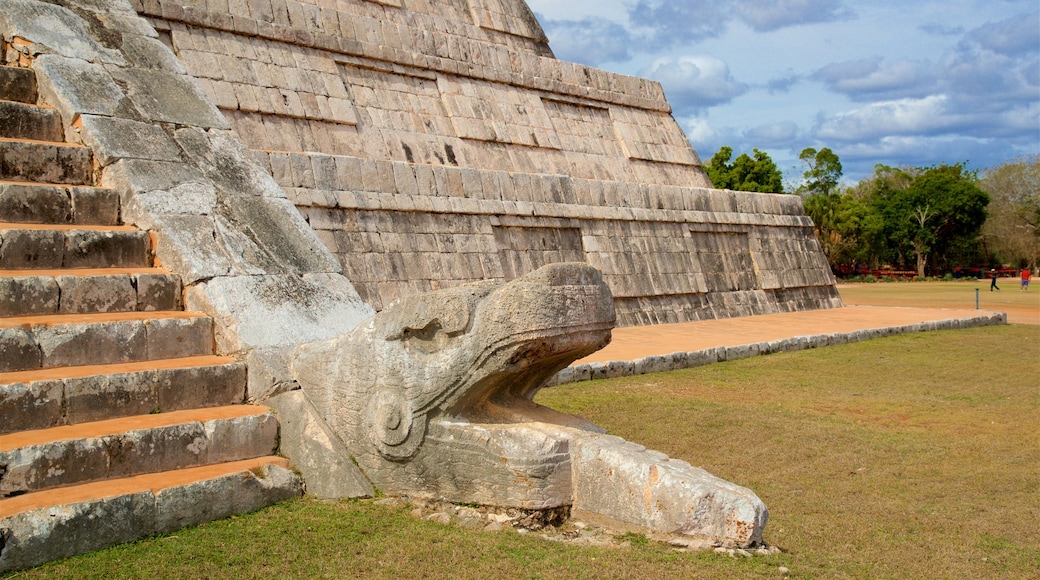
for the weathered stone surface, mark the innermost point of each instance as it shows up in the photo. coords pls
(45, 162)
(99, 397)
(19, 350)
(116, 139)
(38, 536)
(35, 405)
(74, 344)
(94, 205)
(157, 292)
(434, 397)
(25, 203)
(53, 29)
(22, 296)
(18, 84)
(96, 294)
(670, 495)
(168, 97)
(106, 249)
(31, 249)
(212, 499)
(262, 311)
(179, 337)
(21, 121)
(205, 386)
(75, 86)
(145, 450)
(320, 456)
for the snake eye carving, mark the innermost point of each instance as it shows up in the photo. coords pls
(394, 427)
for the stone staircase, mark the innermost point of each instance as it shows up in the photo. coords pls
(116, 420)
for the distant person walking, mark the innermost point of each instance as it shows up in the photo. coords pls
(1026, 274)
(993, 280)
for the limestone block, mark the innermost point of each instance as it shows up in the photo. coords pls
(25, 295)
(179, 337)
(207, 500)
(21, 249)
(318, 453)
(34, 204)
(42, 535)
(94, 205)
(625, 482)
(112, 139)
(73, 344)
(187, 246)
(136, 176)
(34, 405)
(241, 437)
(54, 29)
(227, 162)
(19, 350)
(96, 294)
(101, 397)
(168, 97)
(142, 51)
(259, 311)
(272, 236)
(106, 249)
(205, 386)
(156, 292)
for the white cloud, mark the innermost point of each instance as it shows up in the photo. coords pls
(590, 41)
(888, 118)
(873, 77)
(694, 83)
(768, 15)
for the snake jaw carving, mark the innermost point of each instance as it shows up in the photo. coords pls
(434, 398)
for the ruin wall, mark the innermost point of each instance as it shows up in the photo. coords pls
(430, 144)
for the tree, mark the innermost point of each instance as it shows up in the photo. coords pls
(1013, 230)
(823, 173)
(940, 208)
(746, 173)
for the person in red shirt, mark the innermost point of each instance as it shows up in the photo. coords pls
(1026, 273)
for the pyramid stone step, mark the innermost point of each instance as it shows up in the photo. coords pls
(36, 203)
(45, 162)
(75, 291)
(114, 448)
(48, 525)
(44, 246)
(25, 121)
(17, 84)
(69, 395)
(63, 340)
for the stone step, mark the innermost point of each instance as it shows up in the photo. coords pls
(48, 246)
(76, 291)
(113, 448)
(25, 121)
(64, 340)
(54, 397)
(45, 162)
(17, 84)
(49, 525)
(49, 203)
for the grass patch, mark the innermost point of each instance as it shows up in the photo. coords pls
(913, 456)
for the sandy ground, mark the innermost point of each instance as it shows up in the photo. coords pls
(866, 306)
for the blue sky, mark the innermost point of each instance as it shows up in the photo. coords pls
(910, 82)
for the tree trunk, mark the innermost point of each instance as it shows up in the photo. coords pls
(922, 257)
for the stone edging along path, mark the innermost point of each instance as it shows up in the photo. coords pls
(684, 360)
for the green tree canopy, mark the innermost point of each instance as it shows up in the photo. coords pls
(938, 209)
(746, 173)
(823, 171)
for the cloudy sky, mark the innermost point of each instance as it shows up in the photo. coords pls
(900, 82)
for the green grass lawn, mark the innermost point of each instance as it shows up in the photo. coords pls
(915, 456)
